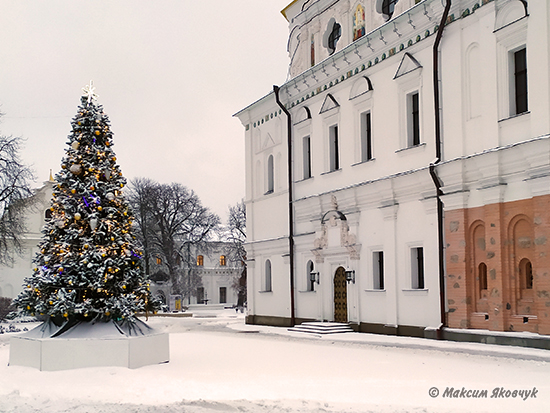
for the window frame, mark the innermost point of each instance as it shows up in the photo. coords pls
(334, 148)
(378, 273)
(268, 276)
(223, 297)
(413, 118)
(366, 144)
(418, 268)
(306, 157)
(519, 78)
(510, 39)
(270, 174)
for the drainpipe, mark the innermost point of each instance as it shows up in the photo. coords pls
(290, 206)
(433, 174)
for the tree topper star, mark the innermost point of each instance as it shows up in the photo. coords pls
(89, 92)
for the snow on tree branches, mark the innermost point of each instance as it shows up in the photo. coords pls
(88, 266)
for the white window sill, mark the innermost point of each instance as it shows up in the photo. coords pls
(410, 148)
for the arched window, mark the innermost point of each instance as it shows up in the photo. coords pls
(200, 260)
(159, 261)
(48, 213)
(270, 175)
(310, 279)
(267, 275)
(388, 6)
(333, 37)
(526, 274)
(482, 274)
(223, 261)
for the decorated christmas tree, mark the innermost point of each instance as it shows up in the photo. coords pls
(88, 264)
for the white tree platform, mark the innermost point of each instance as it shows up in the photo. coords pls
(91, 344)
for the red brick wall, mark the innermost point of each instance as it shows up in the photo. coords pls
(513, 230)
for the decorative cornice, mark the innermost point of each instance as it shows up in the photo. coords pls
(396, 36)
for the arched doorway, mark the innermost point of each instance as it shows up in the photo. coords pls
(340, 296)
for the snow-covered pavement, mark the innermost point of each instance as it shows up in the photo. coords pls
(219, 364)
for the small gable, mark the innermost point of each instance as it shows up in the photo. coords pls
(303, 114)
(510, 13)
(329, 104)
(407, 65)
(360, 87)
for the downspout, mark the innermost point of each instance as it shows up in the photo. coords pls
(433, 174)
(290, 206)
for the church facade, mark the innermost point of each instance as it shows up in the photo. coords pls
(399, 180)
(12, 275)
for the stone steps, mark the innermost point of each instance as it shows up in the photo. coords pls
(322, 328)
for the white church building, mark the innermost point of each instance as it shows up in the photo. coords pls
(399, 181)
(12, 275)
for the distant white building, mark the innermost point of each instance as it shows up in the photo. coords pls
(217, 277)
(400, 179)
(12, 276)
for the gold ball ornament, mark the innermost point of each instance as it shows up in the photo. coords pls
(97, 133)
(73, 191)
(77, 216)
(100, 208)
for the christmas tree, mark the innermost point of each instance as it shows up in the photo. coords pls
(88, 264)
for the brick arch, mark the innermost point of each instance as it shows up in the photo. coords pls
(478, 262)
(521, 247)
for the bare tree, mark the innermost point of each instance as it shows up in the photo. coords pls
(15, 196)
(174, 222)
(236, 252)
(142, 191)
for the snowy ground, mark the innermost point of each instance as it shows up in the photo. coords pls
(219, 364)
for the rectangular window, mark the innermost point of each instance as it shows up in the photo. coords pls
(520, 81)
(223, 295)
(378, 270)
(366, 137)
(307, 157)
(413, 119)
(417, 267)
(334, 155)
(200, 295)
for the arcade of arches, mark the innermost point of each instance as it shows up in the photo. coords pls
(498, 266)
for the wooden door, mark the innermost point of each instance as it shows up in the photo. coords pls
(340, 296)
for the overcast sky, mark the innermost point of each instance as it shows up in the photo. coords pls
(169, 73)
